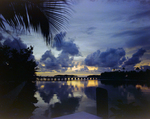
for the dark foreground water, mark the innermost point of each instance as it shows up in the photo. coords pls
(46, 100)
(60, 98)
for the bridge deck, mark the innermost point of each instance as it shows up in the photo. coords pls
(40, 78)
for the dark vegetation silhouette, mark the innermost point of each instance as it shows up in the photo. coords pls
(65, 76)
(46, 16)
(125, 78)
(17, 65)
(94, 76)
(116, 83)
(133, 75)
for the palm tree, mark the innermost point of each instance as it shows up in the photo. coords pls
(137, 69)
(46, 16)
(123, 68)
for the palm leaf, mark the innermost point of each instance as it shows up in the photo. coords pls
(46, 16)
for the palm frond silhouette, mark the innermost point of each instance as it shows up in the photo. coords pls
(46, 16)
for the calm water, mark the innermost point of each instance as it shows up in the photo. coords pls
(61, 98)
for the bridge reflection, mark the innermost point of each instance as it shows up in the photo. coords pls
(46, 78)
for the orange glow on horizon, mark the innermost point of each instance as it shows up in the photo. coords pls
(80, 74)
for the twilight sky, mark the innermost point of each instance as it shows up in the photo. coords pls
(101, 36)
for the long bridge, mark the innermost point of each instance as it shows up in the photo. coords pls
(46, 78)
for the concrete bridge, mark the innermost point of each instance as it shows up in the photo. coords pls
(46, 78)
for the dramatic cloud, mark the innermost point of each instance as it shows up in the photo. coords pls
(68, 47)
(135, 59)
(46, 55)
(49, 61)
(114, 58)
(15, 43)
(65, 59)
(60, 64)
(110, 58)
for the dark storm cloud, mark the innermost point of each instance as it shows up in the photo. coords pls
(51, 63)
(65, 59)
(138, 37)
(15, 43)
(135, 59)
(110, 58)
(90, 30)
(46, 55)
(65, 46)
(58, 41)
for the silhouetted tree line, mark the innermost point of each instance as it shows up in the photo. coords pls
(17, 65)
(133, 75)
(94, 76)
(117, 83)
(65, 76)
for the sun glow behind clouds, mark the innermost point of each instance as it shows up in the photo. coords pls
(82, 66)
(92, 68)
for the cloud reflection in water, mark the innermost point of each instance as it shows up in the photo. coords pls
(68, 97)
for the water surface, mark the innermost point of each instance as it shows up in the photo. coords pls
(66, 97)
